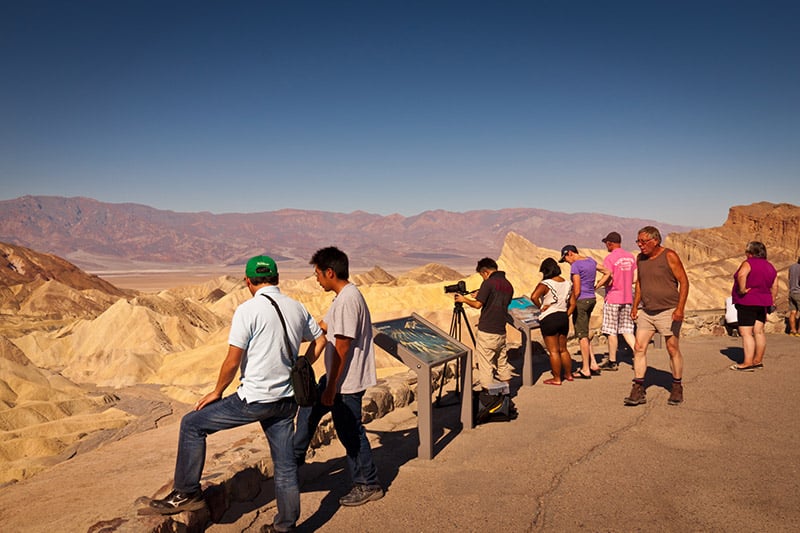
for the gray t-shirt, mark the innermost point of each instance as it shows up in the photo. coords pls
(349, 317)
(794, 278)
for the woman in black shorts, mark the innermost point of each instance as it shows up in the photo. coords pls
(553, 296)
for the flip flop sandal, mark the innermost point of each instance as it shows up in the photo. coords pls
(580, 375)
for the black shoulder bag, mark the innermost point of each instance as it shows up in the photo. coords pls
(304, 382)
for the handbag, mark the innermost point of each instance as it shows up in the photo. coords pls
(304, 382)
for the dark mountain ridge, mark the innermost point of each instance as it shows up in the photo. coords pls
(76, 227)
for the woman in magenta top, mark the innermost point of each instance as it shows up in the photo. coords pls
(754, 291)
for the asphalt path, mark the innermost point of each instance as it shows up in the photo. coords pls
(577, 459)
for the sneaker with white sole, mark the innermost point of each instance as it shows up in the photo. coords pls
(361, 494)
(177, 502)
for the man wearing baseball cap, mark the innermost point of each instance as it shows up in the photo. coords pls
(257, 346)
(583, 272)
(619, 275)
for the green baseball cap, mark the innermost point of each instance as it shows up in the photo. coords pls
(260, 266)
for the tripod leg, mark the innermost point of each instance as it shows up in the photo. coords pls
(455, 332)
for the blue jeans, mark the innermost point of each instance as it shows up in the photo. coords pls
(346, 414)
(277, 421)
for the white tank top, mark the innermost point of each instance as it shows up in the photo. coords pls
(557, 296)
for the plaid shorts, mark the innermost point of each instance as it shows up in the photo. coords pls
(617, 319)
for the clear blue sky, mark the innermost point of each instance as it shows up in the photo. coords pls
(668, 110)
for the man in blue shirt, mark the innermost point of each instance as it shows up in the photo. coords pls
(256, 346)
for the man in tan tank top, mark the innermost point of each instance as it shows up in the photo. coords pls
(661, 288)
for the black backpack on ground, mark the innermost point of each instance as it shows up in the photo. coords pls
(488, 407)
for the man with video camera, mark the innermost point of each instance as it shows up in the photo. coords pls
(492, 298)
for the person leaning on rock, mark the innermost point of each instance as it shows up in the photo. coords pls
(256, 346)
(662, 288)
(493, 298)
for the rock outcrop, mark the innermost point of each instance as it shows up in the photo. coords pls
(776, 225)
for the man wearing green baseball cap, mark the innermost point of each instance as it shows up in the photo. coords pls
(256, 346)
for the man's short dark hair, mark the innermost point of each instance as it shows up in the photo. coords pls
(487, 263)
(333, 258)
(260, 280)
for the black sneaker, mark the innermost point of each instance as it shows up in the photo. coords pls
(361, 494)
(177, 501)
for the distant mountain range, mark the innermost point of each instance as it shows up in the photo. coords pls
(96, 235)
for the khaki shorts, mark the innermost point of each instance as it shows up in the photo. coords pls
(660, 322)
(580, 318)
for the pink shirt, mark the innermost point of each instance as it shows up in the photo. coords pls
(622, 265)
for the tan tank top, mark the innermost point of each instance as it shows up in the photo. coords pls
(659, 285)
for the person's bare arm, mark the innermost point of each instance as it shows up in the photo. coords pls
(679, 272)
(476, 304)
(315, 348)
(741, 278)
(537, 294)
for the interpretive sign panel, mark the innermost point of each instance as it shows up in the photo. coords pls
(424, 341)
(422, 346)
(525, 317)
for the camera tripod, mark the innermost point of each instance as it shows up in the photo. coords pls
(459, 315)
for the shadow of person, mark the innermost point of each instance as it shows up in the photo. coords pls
(734, 353)
(390, 451)
(396, 448)
(655, 377)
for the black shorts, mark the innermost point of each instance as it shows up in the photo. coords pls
(749, 314)
(555, 324)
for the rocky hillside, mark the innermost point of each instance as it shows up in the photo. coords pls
(776, 225)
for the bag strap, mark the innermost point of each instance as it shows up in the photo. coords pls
(283, 323)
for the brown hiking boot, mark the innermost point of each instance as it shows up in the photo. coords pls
(637, 395)
(676, 394)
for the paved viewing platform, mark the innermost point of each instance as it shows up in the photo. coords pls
(575, 459)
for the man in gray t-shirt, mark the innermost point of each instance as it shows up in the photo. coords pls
(794, 297)
(350, 370)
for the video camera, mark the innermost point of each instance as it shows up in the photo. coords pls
(457, 288)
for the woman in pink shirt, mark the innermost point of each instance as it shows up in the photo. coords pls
(754, 291)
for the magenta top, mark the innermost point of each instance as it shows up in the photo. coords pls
(759, 281)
